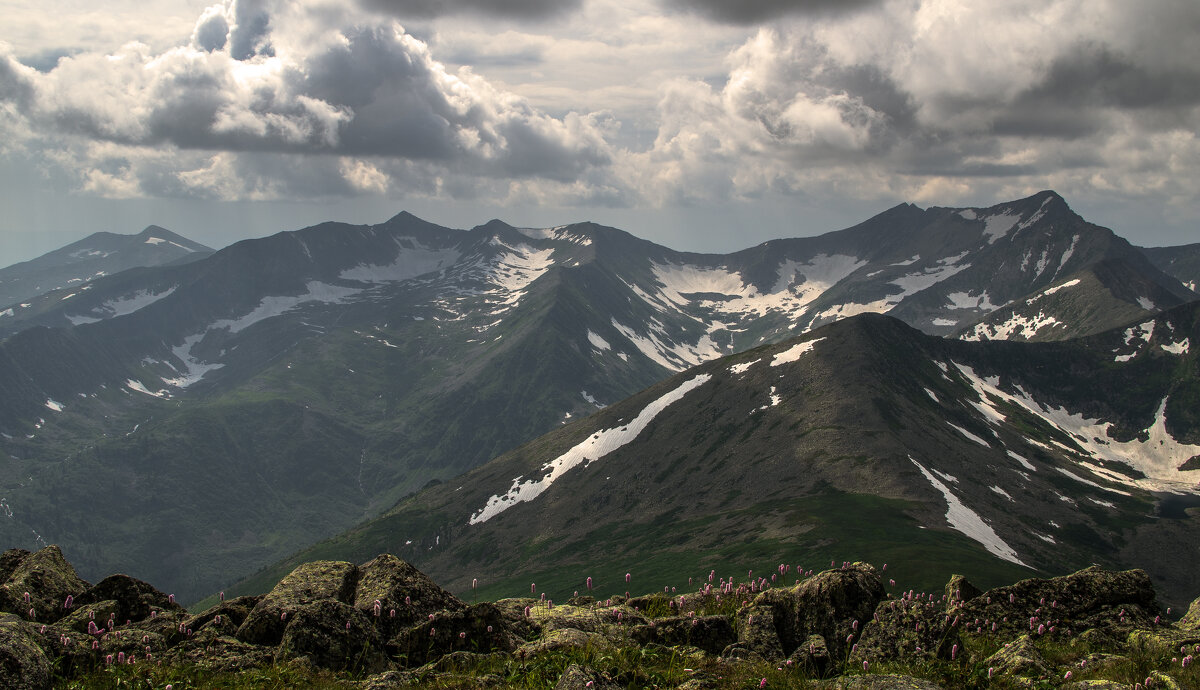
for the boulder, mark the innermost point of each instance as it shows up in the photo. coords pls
(23, 664)
(308, 583)
(1191, 619)
(134, 598)
(404, 594)
(223, 654)
(834, 604)
(901, 630)
(333, 635)
(9, 560)
(234, 611)
(1019, 658)
(48, 578)
(758, 631)
(960, 591)
(1107, 601)
(812, 656)
(578, 677)
(566, 639)
(882, 682)
(480, 628)
(710, 633)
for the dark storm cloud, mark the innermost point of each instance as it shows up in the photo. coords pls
(755, 11)
(1094, 75)
(517, 9)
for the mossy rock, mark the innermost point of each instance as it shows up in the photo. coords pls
(23, 664)
(333, 635)
(307, 584)
(710, 633)
(48, 578)
(400, 588)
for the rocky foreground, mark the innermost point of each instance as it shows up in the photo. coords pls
(385, 624)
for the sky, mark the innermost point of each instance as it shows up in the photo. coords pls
(705, 125)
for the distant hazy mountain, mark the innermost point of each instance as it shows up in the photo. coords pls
(1183, 263)
(97, 255)
(864, 439)
(230, 410)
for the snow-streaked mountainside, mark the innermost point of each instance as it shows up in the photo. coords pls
(100, 254)
(862, 440)
(330, 371)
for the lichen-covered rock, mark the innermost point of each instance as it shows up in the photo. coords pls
(758, 631)
(881, 682)
(134, 598)
(710, 633)
(23, 664)
(597, 618)
(834, 604)
(1019, 658)
(398, 586)
(1089, 599)
(1191, 619)
(234, 611)
(89, 617)
(901, 629)
(959, 591)
(565, 639)
(224, 654)
(578, 677)
(9, 560)
(812, 656)
(49, 579)
(308, 583)
(479, 628)
(333, 635)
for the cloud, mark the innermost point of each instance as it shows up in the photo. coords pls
(757, 11)
(516, 9)
(253, 94)
(915, 97)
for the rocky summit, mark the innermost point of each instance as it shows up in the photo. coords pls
(385, 624)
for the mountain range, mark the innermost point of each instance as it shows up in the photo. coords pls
(95, 256)
(190, 423)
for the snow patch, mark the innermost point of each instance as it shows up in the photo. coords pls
(999, 225)
(675, 357)
(595, 447)
(598, 342)
(1158, 458)
(794, 352)
(272, 306)
(1180, 348)
(54, 405)
(944, 322)
(413, 260)
(1147, 304)
(969, 435)
(969, 523)
(743, 367)
(589, 398)
(932, 395)
(1017, 325)
(965, 300)
(1051, 291)
(1002, 492)
(193, 368)
(133, 385)
(1024, 463)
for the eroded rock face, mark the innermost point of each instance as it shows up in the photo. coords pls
(835, 604)
(23, 664)
(308, 583)
(48, 579)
